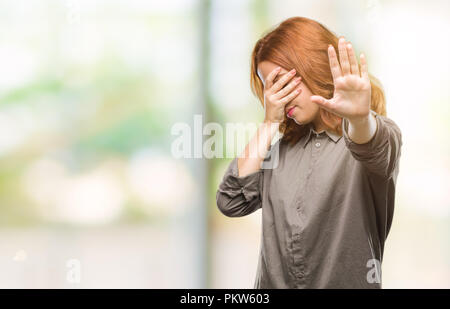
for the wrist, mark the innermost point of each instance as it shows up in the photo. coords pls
(271, 122)
(362, 129)
(360, 121)
(271, 126)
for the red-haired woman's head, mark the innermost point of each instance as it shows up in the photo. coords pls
(302, 44)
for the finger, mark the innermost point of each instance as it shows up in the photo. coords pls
(292, 84)
(364, 71)
(322, 102)
(290, 96)
(282, 81)
(343, 57)
(334, 63)
(271, 77)
(353, 62)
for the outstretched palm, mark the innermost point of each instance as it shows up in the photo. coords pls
(352, 88)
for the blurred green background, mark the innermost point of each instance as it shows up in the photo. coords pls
(89, 93)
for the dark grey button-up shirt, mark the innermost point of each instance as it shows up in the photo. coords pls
(327, 208)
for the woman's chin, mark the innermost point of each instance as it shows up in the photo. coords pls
(299, 120)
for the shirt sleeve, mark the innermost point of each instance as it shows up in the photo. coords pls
(239, 196)
(381, 154)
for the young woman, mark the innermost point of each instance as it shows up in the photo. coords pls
(328, 200)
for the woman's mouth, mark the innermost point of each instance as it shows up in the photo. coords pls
(290, 111)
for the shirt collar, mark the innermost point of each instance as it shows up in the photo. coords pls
(333, 136)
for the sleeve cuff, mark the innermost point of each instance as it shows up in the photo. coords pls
(233, 184)
(376, 142)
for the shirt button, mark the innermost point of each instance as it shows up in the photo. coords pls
(317, 144)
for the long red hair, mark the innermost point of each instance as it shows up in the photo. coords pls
(302, 43)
